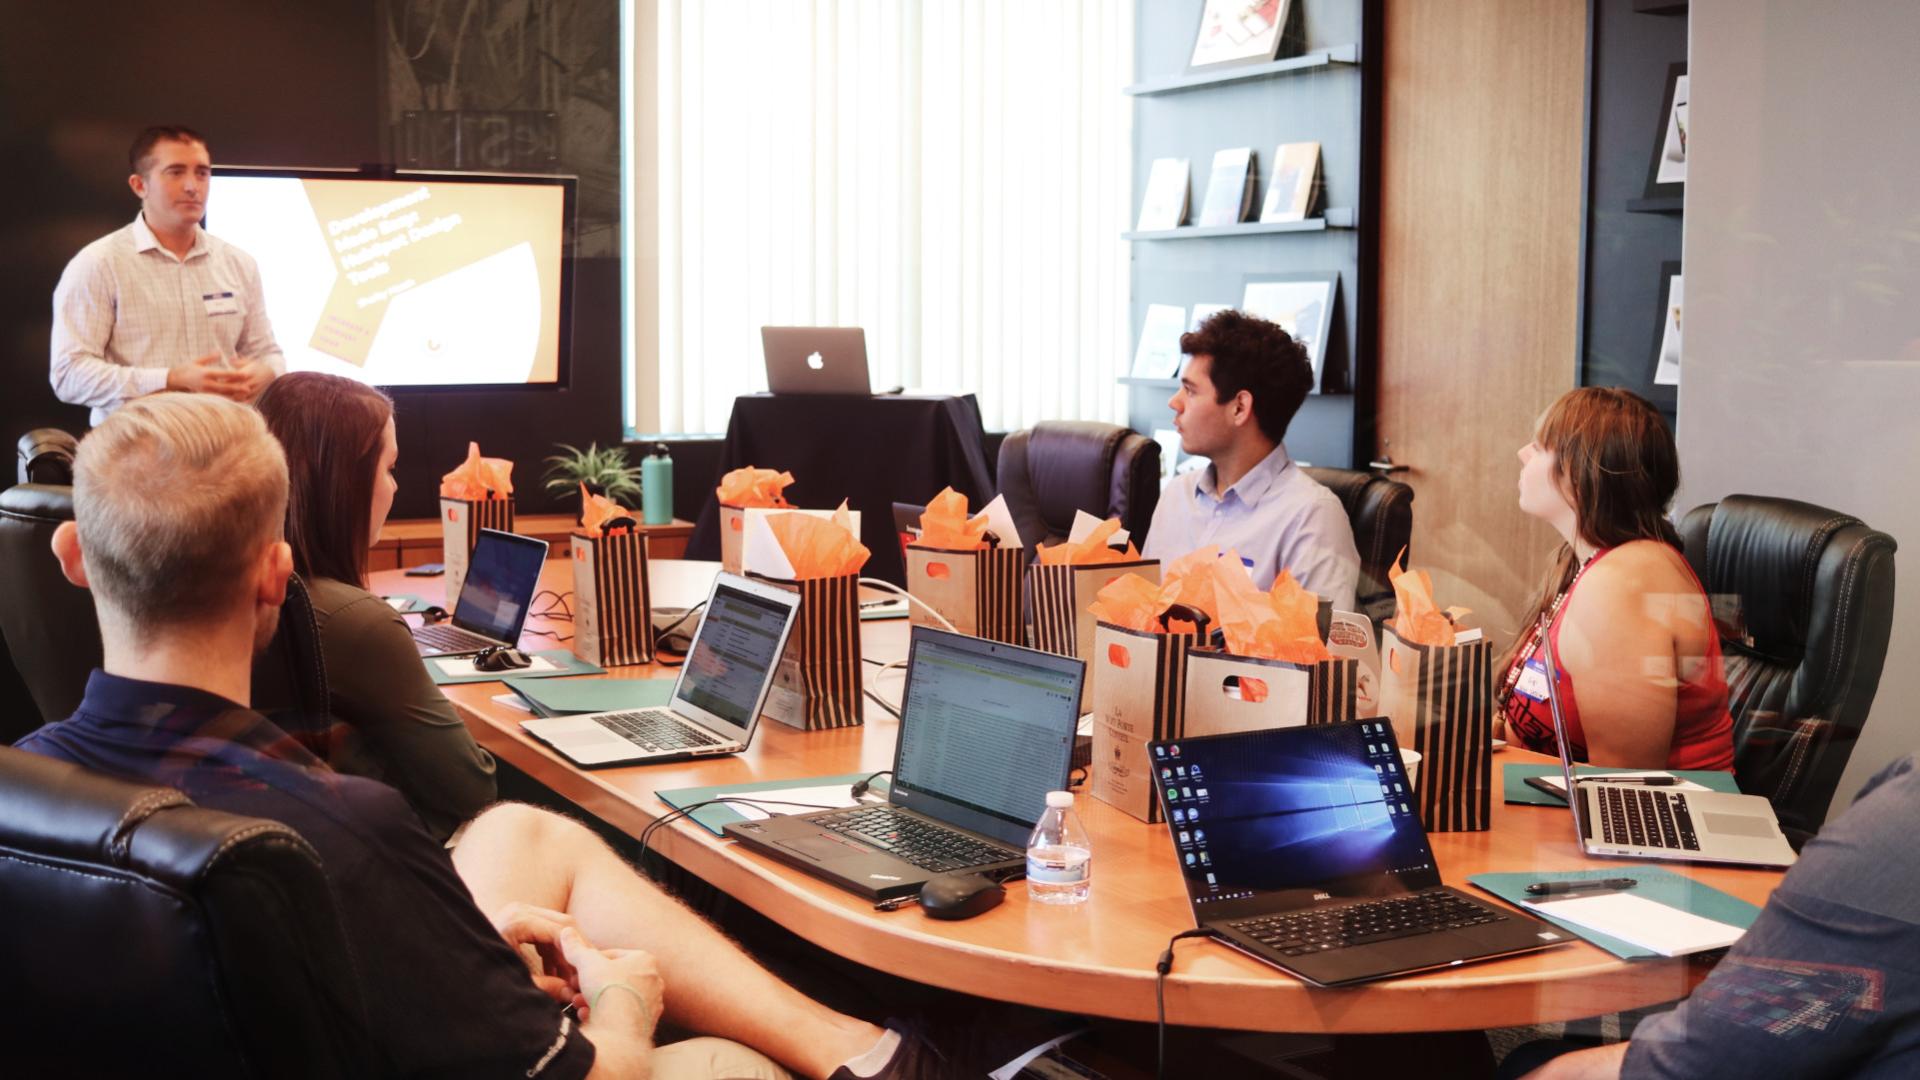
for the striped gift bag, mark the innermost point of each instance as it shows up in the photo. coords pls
(1441, 702)
(977, 591)
(612, 613)
(460, 523)
(1226, 694)
(1058, 598)
(1139, 689)
(817, 683)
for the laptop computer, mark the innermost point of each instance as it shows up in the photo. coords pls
(1640, 822)
(717, 699)
(502, 577)
(816, 359)
(986, 730)
(1302, 847)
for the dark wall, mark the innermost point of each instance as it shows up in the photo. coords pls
(269, 82)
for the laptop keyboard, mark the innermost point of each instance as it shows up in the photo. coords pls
(920, 842)
(450, 638)
(1646, 818)
(1296, 933)
(655, 729)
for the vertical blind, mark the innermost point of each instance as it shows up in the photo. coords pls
(951, 175)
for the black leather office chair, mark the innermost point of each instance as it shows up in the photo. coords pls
(1815, 594)
(145, 936)
(45, 456)
(1381, 511)
(1060, 466)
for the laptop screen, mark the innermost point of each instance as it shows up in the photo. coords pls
(986, 730)
(739, 641)
(501, 578)
(1293, 815)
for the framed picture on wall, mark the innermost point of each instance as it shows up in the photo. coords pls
(1666, 363)
(1667, 173)
(1303, 306)
(1234, 32)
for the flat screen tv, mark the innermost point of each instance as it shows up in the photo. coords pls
(409, 279)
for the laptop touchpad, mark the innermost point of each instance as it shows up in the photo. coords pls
(822, 848)
(1739, 825)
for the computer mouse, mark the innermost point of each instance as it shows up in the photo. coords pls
(960, 896)
(501, 660)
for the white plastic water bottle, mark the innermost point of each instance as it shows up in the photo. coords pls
(1059, 858)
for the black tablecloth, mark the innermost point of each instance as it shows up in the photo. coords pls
(871, 451)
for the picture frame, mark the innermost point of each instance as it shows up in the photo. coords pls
(1667, 332)
(1667, 170)
(1232, 33)
(1302, 304)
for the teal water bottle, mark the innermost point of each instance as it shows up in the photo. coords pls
(656, 486)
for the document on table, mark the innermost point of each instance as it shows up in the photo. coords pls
(800, 800)
(1647, 923)
(459, 667)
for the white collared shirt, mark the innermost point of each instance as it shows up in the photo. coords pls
(127, 309)
(1275, 516)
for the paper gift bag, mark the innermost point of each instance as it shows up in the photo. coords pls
(1138, 693)
(1226, 694)
(1440, 699)
(816, 685)
(977, 591)
(733, 532)
(460, 523)
(612, 613)
(1058, 598)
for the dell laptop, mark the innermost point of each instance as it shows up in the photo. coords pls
(986, 730)
(716, 700)
(816, 359)
(502, 577)
(1636, 821)
(1302, 847)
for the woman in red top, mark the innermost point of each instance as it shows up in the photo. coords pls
(1642, 684)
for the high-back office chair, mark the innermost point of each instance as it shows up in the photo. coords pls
(45, 456)
(1060, 466)
(145, 936)
(1814, 589)
(1381, 511)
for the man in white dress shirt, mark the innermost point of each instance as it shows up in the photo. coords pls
(160, 304)
(1245, 379)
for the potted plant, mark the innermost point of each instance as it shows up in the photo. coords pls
(604, 472)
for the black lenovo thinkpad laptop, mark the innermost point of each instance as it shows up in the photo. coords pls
(986, 730)
(1301, 847)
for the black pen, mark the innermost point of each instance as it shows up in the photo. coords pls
(897, 902)
(1561, 888)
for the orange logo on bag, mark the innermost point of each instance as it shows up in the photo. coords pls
(737, 523)
(1393, 660)
(938, 571)
(1251, 690)
(1117, 655)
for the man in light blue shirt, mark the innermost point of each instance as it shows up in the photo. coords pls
(1245, 379)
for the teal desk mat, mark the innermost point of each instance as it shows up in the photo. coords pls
(715, 818)
(413, 603)
(1660, 886)
(1516, 789)
(569, 664)
(570, 697)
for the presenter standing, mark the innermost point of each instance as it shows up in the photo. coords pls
(160, 304)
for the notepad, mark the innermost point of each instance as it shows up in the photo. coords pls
(1639, 921)
(572, 697)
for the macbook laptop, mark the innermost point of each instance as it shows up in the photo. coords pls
(716, 700)
(986, 730)
(1302, 847)
(1641, 822)
(816, 359)
(502, 576)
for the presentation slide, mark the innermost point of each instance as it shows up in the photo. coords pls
(404, 282)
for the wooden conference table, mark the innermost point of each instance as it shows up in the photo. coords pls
(1096, 958)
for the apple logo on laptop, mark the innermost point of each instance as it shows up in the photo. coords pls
(814, 362)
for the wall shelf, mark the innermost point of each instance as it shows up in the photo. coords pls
(1336, 218)
(1154, 384)
(1338, 55)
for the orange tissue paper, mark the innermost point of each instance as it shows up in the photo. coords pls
(1418, 619)
(478, 478)
(597, 510)
(754, 487)
(944, 524)
(819, 547)
(1280, 624)
(1091, 551)
(1130, 601)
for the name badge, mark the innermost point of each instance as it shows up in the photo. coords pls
(221, 303)
(1533, 680)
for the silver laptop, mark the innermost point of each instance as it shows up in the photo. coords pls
(716, 700)
(502, 576)
(816, 359)
(1636, 821)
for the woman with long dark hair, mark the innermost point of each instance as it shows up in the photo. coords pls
(392, 723)
(1641, 680)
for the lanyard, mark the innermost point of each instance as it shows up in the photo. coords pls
(1540, 628)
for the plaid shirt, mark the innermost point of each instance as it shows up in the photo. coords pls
(127, 309)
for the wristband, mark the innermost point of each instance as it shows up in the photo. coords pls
(594, 1005)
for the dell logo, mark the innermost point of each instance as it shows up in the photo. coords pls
(815, 362)
(1322, 896)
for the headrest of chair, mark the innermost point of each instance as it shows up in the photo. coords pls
(1069, 461)
(46, 456)
(1761, 547)
(50, 502)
